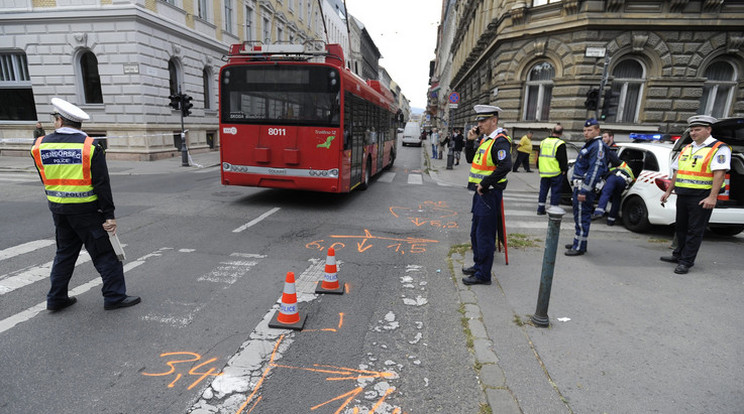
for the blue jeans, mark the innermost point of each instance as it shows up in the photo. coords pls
(554, 184)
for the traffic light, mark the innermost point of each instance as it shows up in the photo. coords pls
(186, 105)
(609, 106)
(592, 99)
(175, 102)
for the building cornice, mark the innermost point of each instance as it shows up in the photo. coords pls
(111, 14)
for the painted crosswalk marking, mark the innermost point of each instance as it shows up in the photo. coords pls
(24, 248)
(29, 313)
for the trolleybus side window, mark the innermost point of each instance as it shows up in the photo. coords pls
(283, 95)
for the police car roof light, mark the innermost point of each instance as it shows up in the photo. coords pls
(645, 137)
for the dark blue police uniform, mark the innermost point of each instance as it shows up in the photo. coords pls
(590, 167)
(79, 224)
(486, 208)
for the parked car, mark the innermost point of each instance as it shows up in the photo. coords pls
(651, 162)
(411, 134)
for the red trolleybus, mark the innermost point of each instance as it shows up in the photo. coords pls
(297, 119)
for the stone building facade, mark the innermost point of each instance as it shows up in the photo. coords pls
(661, 62)
(119, 60)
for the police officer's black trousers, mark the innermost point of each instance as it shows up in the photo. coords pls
(72, 232)
(691, 221)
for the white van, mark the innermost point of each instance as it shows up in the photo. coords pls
(411, 134)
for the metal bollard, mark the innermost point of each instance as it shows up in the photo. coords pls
(540, 318)
(450, 158)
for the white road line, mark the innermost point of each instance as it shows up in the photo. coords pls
(18, 180)
(415, 179)
(33, 274)
(386, 177)
(24, 248)
(29, 313)
(246, 365)
(256, 220)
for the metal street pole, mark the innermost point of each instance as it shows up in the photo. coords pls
(184, 150)
(540, 318)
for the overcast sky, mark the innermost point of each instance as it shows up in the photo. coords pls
(405, 32)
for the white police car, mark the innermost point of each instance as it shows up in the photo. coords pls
(641, 206)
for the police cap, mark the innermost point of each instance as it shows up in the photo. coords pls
(69, 111)
(591, 122)
(701, 120)
(483, 112)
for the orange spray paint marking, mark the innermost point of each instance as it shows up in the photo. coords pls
(381, 400)
(263, 377)
(172, 384)
(255, 403)
(353, 393)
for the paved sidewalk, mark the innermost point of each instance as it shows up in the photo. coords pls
(199, 160)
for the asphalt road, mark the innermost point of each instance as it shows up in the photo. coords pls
(207, 282)
(210, 262)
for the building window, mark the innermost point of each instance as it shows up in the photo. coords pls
(536, 3)
(249, 18)
(718, 90)
(627, 85)
(266, 30)
(91, 81)
(207, 77)
(228, 16)
(15, 87)
(173, 77)
(538, 92)
(201, 9)
(279, 33)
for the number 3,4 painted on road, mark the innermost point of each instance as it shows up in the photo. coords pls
(192, 371)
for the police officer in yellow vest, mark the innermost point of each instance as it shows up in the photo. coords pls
(76, 181)
(552, 163)
(491, 162)
(698, 178)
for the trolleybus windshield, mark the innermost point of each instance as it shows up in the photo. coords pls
(280, 95)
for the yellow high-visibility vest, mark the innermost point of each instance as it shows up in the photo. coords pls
(694, 167)
(549, 165)
(65, 170)
(625, 168)
(483, 165)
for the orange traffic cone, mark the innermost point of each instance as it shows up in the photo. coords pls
(289, 316)
(330, 282)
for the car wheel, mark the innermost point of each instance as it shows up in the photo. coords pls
(730, 230)
(635, 215)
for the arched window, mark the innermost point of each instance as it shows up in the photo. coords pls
(91, 81)
(627, 86)
(207, 77)
(173, 78)
(538, 92)
(718, 90)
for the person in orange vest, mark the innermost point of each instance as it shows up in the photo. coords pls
(491, 162)
(698, 177)
(76, 182)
